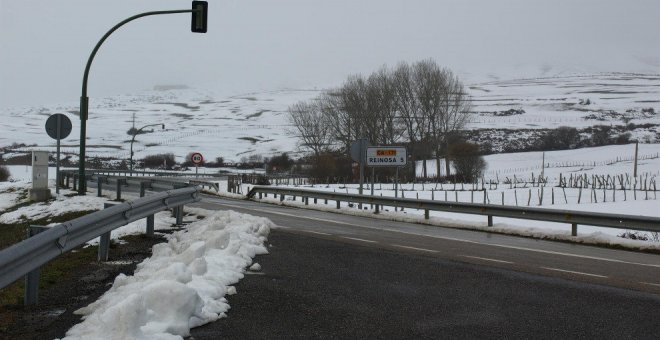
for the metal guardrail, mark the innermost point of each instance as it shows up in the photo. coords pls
(28, 255)
(137, 173)
(572, 217)
(154, 182)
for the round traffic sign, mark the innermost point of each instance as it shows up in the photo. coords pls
(197, 158)
(64, 126)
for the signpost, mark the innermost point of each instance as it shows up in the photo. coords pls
(386, 156)
(381, 156)
(58, 126)
(358, 149)
(197, 159)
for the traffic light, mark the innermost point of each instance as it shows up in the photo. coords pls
(199, 15)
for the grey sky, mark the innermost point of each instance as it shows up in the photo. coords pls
(266, 44)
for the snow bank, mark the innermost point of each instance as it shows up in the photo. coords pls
(60, 206)
(182, 285)
(11, 194)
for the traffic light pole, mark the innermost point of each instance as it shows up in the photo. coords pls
(84, 100)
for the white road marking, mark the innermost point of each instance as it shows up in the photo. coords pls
(573, 272)
(358, 239)
(316, 232)
(651, 284)
(486, 259)
(415, 248)
(449, 238)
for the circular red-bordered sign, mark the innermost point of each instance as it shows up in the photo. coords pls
(196, 158)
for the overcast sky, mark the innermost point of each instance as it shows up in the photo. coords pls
(267, 44)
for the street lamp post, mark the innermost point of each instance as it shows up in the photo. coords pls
(135, 133)
(199, 16)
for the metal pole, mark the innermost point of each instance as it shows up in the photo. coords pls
(84, 100)
(57, 162)
(635, 167)
(131, 156)
(396, 186)
(373, 180)
(543, 165)
(363, 157)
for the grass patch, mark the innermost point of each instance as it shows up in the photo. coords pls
(14, 233)
(50, 273)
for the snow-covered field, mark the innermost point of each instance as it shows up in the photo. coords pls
(238, 126)
(578, 101)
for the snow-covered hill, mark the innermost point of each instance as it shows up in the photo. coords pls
(236, 126)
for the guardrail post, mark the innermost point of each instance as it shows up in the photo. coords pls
(31, 296)
(490, 220)
(426, 214)
(119, 183)
(574, 229)
(338, 202)
(306, 200)
(281, 197)
(104, 240)
(150, 218)
(99, 186)
(67, 180)
(75, 181)
(179, 216)
(260, 196)
(377, 209)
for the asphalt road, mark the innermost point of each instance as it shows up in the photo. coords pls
(315, 287)
(338, 276)
(589, 264)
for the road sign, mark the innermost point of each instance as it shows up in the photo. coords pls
(196, 158)
(58, 127)
(64, 128)
(358, 148)
(386, 156)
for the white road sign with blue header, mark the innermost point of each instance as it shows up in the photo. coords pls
(386, 156)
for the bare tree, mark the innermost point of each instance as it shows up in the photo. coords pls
(311, 126)
(456, 106)
(407, 107)
(383, 107)
(421, 104)
(444, 107)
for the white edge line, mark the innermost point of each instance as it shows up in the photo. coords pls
(316, 232)
(414, 248)
(574, 272)
(486, 259)
(359, 239)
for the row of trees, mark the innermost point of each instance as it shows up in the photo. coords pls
(420, 105)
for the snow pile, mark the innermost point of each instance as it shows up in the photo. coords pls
(182, 285)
